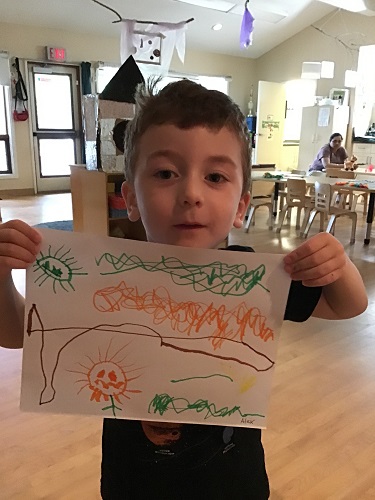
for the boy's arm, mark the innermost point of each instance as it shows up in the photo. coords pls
(19, 245)
(322, 261)
(12, 307)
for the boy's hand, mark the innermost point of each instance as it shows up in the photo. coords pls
(317, 262)
(19, 246)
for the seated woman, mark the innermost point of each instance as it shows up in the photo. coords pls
(331, 155)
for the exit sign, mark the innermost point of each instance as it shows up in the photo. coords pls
(56, 54)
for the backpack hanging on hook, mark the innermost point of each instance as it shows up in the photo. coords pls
(20, 95)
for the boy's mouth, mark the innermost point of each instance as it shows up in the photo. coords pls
(189, 226)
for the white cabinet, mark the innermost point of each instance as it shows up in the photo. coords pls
(318, 123)
(364, 152)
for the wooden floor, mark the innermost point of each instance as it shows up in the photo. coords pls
(320, 442)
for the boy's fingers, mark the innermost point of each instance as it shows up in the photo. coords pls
(11, 237)
(13, 263)
(324, 280)
(329, 269)
(16, 251)
(310, 248)
(18, 226)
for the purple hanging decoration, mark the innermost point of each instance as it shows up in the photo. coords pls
(247, 27)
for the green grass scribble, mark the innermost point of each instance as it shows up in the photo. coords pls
(161, 403)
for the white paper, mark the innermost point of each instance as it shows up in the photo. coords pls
(136, 330)
(323, 117)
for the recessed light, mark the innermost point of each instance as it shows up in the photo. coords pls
(217, 27)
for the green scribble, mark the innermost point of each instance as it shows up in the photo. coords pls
(161, 403)
(57, 267)
(217, 277)
(112, 407)
(207, 376)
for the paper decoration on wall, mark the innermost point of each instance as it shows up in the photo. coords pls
(247, 26)
(116, 104)
(153, 43)
(137, 330)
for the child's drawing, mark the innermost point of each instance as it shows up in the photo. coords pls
(141, 346)
(58, 267)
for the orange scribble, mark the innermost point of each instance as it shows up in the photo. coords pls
(186, 317)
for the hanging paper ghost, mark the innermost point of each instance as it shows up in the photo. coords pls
(153, 43)
(247, 26)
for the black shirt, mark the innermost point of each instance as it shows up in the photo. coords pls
(195, 461)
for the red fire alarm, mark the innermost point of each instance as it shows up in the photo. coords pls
(57, 54)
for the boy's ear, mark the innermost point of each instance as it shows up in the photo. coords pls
(128, 193)
(241, 210)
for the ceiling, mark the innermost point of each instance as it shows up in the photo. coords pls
(88, 17)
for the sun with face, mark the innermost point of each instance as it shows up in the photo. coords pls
(108, 379)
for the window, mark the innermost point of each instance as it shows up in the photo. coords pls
(5, 158)
(105, 73)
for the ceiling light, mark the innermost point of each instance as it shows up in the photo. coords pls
(221, 5)
(217, 27)
(351, 5)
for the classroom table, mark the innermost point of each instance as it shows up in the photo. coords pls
(343, 183)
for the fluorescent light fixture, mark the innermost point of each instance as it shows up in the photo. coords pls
(266, 13)
(351, 5)
(350, 78)
(221, 5)
(217, 27)
(311, 70)
(327, 69)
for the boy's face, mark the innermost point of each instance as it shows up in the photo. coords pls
(187, 186)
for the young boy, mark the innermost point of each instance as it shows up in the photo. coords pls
(187, 169)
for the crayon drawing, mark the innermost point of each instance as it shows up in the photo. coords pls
(185, 336)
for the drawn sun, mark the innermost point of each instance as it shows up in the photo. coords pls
(108, 379)
(57, 266)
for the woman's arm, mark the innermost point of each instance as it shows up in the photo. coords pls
(326, 161)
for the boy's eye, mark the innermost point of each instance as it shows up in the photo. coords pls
(164, 174)
(215, 177)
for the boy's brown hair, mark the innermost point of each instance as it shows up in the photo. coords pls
(185, 104)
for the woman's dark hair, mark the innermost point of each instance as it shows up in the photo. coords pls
(336, 134)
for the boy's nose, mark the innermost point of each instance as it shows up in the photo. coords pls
(191, 192)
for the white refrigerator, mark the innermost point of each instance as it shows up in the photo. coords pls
(318, 123)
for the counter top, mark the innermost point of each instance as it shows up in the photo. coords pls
(367, 139)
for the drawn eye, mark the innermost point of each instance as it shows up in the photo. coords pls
(58, 267)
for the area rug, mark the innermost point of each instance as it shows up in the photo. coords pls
(62, 225)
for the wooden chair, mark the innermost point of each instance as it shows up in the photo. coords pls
(323, 195)
(261, 196)
(295, 198)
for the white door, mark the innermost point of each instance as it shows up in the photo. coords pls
(270, 122)
(56, 122)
